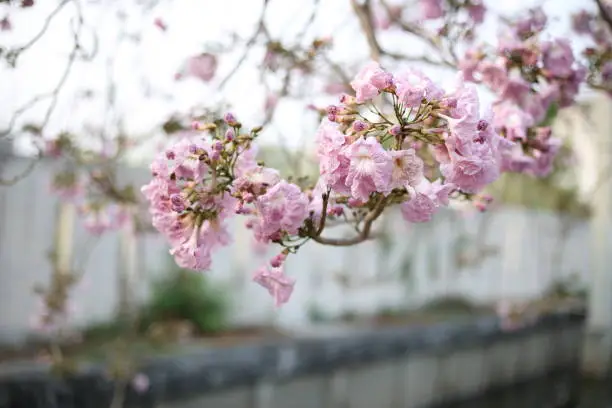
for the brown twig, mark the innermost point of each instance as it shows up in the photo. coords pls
(363, 13)
(365, 232)
(12, 55)
(418, 32)
(604, 13)
(261, 28)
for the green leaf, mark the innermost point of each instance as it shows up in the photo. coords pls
(551, 114)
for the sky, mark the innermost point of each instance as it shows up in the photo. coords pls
(143, 71)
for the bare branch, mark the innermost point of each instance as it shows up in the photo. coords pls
(12, 55)
(250, 42)
(604, 13)
(422, 34)
(53, 94)
(365, 232)
(15, 179)
(365, 20)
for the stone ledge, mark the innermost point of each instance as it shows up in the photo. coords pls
(200, 371)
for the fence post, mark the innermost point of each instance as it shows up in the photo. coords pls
(598, 344)
(64, 233)
(128, 270)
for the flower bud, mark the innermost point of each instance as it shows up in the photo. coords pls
(359, 126)
(482, 125)
(395, 130)
(230, 119)
(230, 135)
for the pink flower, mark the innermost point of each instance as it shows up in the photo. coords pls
(279, 285)
(335, 88)
(425, 200)
(463, 117)
(470, 64)
(333, 160)
(513, 120)
(407, 168)
(606, 71)
(370, 81)
(558, 58)
(53, 148)
(257, 180)
(494, 75)
(570, 87)
(581, 22)
(203, 67)
(544, 159)
(100, 219)
(270, 103)
(141, 383)
(515, 89)
(370, 169)
(186, 159)
(534, 22)
(246, 161)
(283, 208)
(159, 23)
(514, 160)
(193, 244)
(472, 173)
(476, 11)
(412, 87)
(431, 9)
(420, 208)
(5, 24)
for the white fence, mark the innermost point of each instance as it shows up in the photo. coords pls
(506, 253)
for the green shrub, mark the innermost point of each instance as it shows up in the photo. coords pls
(186, 296)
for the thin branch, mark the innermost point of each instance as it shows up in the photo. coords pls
(15, 179)
(365, 20)
(604, 13)
(338, 70)
(53, 94)
(418, 32)
(365, 232)
(13, 54)
(311, 18)
(250, 42)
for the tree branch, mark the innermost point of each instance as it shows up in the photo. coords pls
(365, 232)
(365, 20)
(604, 13)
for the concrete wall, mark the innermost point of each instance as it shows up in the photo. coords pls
(418, 380)
(358, 367)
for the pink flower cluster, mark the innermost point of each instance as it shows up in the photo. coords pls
(531, 78)
(356, 160)
(202, 67)
(98, 215)
(417, 146)
(198, 183)
(599, 52)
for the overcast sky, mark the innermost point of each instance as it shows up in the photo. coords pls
(144, 70)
